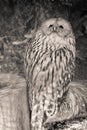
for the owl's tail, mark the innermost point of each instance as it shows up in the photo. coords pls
(73, 105)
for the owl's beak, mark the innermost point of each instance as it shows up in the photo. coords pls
(55, 29)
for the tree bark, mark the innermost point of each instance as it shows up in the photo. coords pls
(14, 113)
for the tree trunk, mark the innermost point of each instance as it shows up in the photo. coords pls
(13, 103)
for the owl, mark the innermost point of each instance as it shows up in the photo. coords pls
(49, 68)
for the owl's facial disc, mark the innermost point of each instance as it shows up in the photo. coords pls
(55, 28)
(58, 26)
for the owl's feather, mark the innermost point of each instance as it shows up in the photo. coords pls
(49, 64)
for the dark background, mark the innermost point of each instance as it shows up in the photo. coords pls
(21, 17)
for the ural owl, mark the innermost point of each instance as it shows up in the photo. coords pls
(49, 64)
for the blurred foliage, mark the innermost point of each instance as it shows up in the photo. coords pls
(19, 17)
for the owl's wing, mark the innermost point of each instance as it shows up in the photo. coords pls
(27, 67)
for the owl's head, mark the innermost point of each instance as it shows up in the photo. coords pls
(59, 26)
(56, 33)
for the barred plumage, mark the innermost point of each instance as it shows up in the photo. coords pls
(49, 64)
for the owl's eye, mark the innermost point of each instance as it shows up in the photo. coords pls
(50, 26)
(61, 27)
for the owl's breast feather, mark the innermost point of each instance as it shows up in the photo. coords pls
(53, 67)
(56, 40)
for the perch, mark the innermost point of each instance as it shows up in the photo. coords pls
(13, 103)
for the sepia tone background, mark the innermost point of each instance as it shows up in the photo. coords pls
(19, 19)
